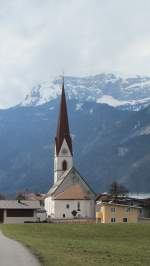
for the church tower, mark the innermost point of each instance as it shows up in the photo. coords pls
(63, 159)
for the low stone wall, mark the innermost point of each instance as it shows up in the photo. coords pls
(73, 221)
(144, 220)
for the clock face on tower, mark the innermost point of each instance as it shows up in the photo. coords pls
(64, 151)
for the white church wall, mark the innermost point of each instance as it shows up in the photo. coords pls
(64, 208)
(50, 207)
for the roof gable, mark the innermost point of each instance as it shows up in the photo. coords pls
(72, 193)
(69, 179)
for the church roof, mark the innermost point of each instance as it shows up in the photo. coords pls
(22, 204)
(63, 125)
(73, 193)
(58, 183)
(72, 170)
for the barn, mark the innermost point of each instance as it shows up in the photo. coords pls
(14, 211)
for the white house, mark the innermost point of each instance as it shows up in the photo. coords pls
(70, 196)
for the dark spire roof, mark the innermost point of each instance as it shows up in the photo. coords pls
(63, 125)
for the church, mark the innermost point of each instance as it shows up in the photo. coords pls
(70, 196)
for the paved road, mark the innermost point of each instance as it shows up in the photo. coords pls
(13, 253)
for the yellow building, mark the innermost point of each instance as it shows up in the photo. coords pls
(116, 213)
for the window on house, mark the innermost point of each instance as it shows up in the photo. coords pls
(113, 209)
(98, 208)
(128, 209)
(64, 215)
(67, 206)
(78, 206)
(113, 220)
(64, 165)
(125, 220)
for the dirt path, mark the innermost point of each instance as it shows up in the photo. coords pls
(13, 253)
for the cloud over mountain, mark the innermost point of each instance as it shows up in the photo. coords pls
(40, 39)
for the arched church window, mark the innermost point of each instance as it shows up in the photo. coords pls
(78, 206)
(64, 165)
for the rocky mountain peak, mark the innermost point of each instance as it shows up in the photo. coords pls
(123, 92)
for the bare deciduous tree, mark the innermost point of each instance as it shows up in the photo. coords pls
(117, 190)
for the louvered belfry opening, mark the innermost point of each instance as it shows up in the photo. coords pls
(64, 165)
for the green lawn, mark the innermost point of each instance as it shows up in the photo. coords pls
(90, 245)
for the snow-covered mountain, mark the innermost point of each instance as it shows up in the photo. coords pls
(125, 93)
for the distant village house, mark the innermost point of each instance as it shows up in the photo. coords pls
(109, 212)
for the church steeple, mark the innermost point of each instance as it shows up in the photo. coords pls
(63, 125)
(63, 143)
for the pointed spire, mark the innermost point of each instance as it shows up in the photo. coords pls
(63, 125)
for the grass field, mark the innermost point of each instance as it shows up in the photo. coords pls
(90, 245)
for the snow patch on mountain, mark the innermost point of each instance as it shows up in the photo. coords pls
(51, 108)
(145, 131)
(91, 111)
(108, 99)
(142, 131)
(79, 106)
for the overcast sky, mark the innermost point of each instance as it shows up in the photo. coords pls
(41, 38)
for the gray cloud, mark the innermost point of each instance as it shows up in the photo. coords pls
(39, 39)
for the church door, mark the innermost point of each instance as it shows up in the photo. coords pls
(1, 216)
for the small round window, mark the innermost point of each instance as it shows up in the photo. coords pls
(64, 151)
